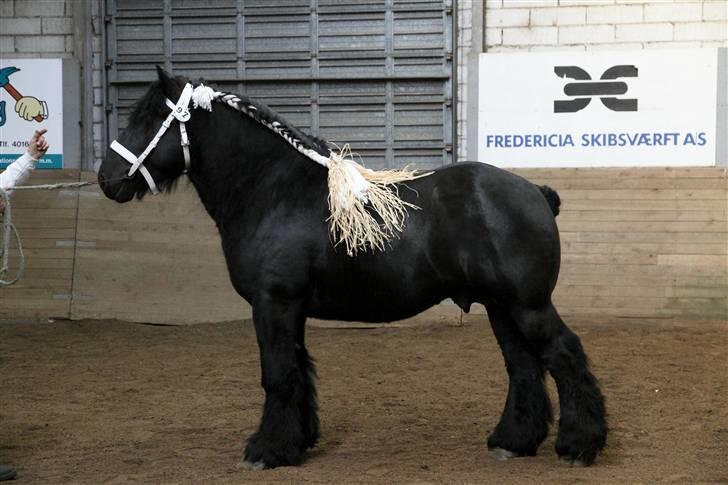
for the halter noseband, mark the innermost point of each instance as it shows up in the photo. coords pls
(181, 113)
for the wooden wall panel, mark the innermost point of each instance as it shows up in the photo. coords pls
(46, 222)
(158, 260)
(635, 243)
(649, 242)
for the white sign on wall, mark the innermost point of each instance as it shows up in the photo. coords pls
(615, 108)
(31, 97)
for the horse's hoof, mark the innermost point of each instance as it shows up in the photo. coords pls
(502, 454)
(253, 465)
(566, 460)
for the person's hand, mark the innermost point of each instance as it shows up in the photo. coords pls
(29, 107)
(38, 145)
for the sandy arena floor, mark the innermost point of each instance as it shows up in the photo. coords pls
(109, 402)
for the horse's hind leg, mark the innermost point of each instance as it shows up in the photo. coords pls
(309, 403)
(527, 413)
(582, 421)
(290, 422)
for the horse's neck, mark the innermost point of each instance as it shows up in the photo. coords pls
(242, 164)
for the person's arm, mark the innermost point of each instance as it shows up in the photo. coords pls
(18, 171)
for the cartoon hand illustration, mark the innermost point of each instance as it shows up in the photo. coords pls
(29, 107)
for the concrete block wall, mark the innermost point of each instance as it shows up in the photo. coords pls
(533, 25)
(37, 29)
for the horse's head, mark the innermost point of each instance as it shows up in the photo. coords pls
(144, 157)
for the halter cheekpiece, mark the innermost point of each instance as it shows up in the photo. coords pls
(181, 113)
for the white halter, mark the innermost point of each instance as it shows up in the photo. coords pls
(181, 113)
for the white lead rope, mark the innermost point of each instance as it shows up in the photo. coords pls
(63, 185)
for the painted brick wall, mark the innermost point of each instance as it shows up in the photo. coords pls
(36, 28)
(464, 43)
(50, 29)
(532, 25)
(98, 116)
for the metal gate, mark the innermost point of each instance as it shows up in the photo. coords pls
(377, 74)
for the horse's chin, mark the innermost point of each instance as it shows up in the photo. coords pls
(119, 192)
(123, 196)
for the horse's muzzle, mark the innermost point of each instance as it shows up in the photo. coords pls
(118, 189)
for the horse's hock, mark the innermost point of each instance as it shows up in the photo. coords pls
(635, 243)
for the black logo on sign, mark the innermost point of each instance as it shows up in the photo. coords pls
(605, 88)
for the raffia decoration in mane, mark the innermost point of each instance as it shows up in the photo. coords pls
(366, 210)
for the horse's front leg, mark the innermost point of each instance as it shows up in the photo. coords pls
(290, 421)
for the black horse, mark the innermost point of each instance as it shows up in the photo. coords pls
(482, 235)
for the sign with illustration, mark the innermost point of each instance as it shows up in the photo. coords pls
(598, 108)
(31, 97)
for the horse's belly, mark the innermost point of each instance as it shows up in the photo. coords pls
(385, 312)
(373, 301)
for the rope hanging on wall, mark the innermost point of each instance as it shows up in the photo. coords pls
(8, 230)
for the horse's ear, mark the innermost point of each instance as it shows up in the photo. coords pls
(169, 84)
(161, 73)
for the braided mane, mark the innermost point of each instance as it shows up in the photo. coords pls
(313, 147)
(265, 115)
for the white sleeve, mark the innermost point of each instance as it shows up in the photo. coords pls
(17, 172)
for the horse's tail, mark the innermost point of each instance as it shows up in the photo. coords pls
(552, 198)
